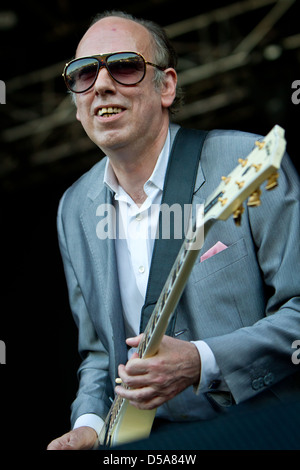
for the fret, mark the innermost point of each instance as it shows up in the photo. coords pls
(153, 323)
(142, 345)
(213, 202)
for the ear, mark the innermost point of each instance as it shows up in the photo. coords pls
(168, 89)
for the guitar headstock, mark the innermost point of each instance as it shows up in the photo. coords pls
(245, 180)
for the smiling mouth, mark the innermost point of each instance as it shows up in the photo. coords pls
(107, 112)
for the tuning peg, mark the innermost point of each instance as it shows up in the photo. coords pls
(226, 179)
(256, 166)
(242, 162)
(260, 145)
(237, 215)
(240, 184)
(222, 201)
(272, 181)
(254, 199)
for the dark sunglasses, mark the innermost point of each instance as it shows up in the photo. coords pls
(126, 68)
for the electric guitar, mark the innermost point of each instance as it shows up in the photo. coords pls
(125, 423)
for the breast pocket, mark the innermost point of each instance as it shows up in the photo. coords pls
(213, 300)
(232, 254)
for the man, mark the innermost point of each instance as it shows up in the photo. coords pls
(240, 312)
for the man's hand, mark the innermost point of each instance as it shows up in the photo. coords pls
(82, 438)
(155, 380)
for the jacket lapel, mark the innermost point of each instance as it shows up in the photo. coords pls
(103, 253)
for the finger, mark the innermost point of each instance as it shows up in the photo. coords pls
(134, 341)
(137, 374)
(55, 445)
(139, 395)
(135, 366)
(133, 379)
(143, 399)
(81, 438)
(135, 356)
(62, 443)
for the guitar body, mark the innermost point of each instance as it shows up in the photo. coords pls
(125, 423)
(133, 424)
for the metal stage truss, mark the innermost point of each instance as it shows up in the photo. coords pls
(224, 55)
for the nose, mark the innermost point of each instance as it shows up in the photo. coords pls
(104, 83)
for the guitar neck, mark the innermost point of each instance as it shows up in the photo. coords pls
(172, 290)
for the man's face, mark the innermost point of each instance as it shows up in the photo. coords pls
(143, 108)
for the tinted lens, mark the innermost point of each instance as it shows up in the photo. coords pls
(81, 74)
(126, 68)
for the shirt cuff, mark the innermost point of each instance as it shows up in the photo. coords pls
(91, 420)
(210, 370)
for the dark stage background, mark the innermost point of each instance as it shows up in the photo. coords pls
(249, 53)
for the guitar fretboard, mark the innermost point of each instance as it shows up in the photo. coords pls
(151, 330)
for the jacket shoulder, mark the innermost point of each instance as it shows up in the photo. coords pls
(228, 140)
(89, 184)
(223, 148)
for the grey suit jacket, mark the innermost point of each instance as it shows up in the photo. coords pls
(244, 302)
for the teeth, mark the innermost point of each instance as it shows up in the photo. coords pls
(108, 111)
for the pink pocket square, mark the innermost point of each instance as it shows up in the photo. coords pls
(217, 248)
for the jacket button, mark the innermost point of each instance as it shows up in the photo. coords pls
(269, 378)
(258, 383)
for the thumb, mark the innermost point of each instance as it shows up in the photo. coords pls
(134, 342)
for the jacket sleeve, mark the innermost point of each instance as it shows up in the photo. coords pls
(254, 358)
(94, 388)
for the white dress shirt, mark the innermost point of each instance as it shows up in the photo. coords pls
(134, 246)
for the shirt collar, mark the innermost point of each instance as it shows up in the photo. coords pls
(157, 177)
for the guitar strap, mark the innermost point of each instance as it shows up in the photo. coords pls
(178, 189)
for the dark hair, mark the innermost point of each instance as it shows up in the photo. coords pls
(164, 53)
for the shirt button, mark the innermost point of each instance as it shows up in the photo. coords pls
(141, 269)
(138, 217)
